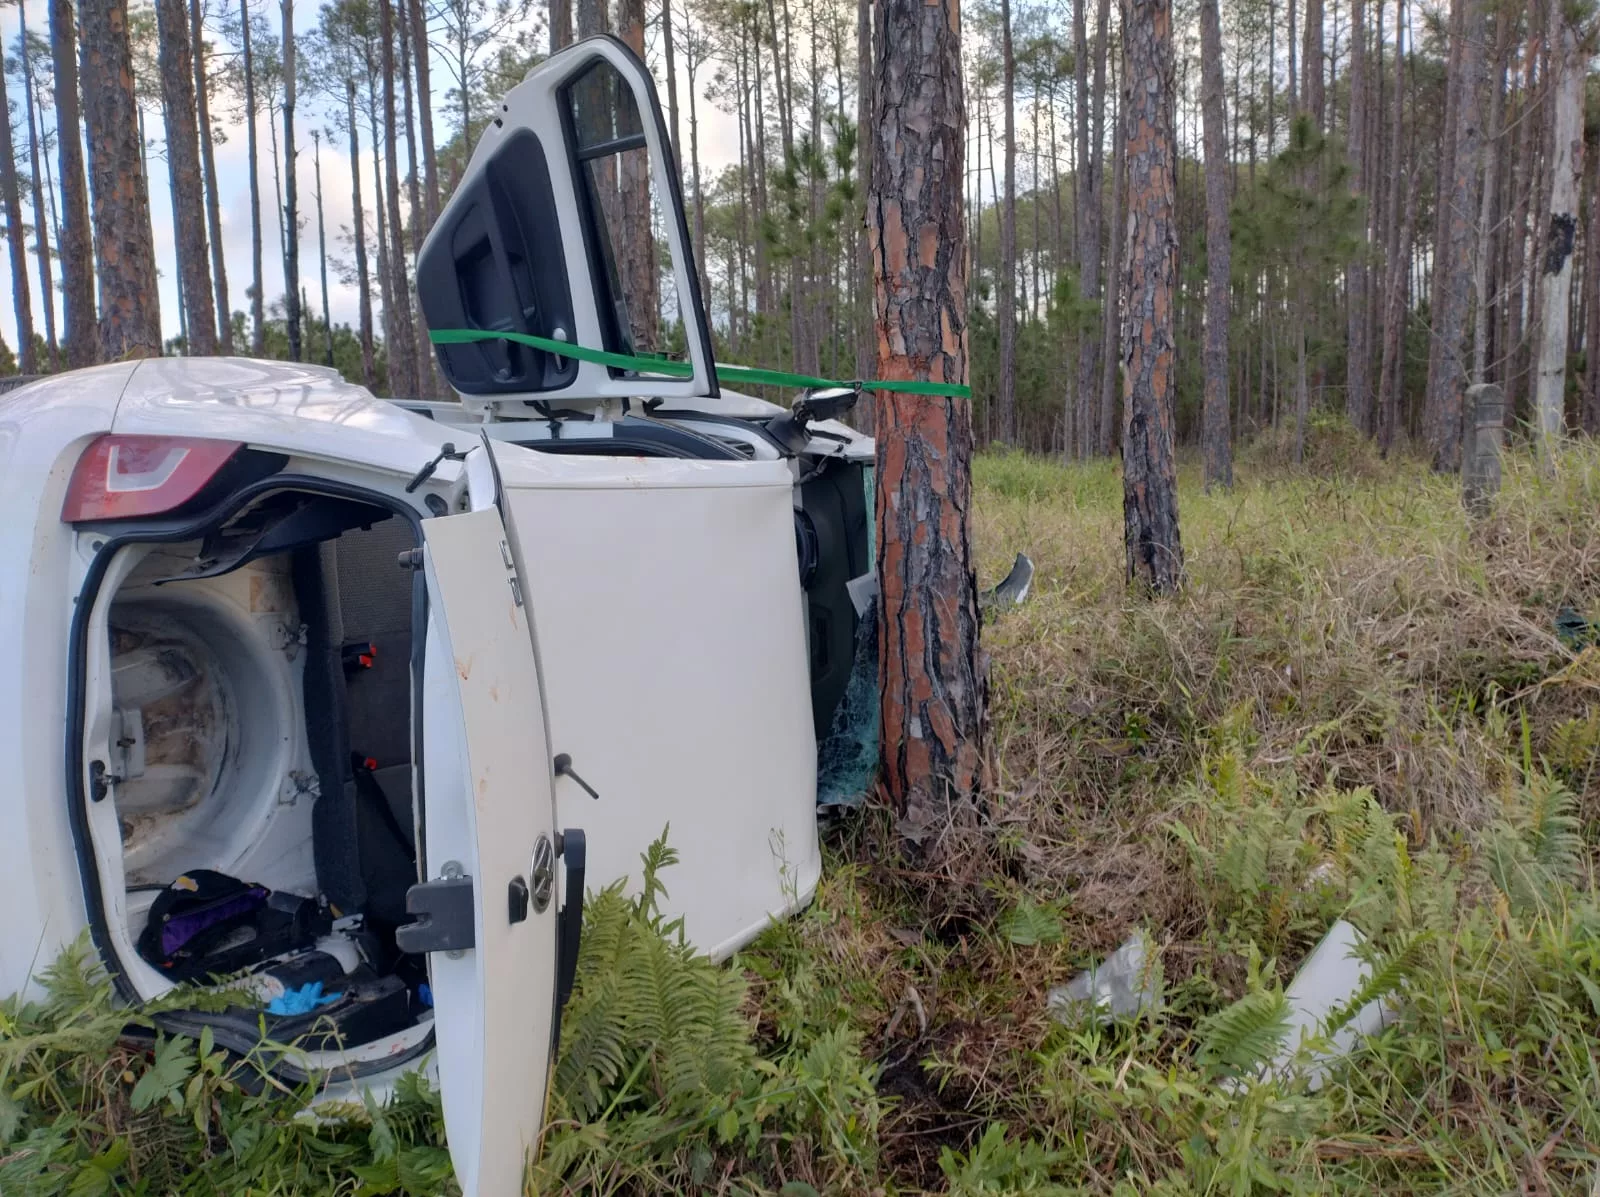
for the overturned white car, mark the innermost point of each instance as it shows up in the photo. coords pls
(301, 685)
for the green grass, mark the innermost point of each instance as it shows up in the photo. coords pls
(1361, 706)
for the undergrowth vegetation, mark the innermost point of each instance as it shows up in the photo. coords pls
(1363, 706)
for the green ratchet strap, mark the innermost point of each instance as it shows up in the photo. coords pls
(748, 375)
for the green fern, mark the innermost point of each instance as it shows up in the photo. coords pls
(1240, 1038)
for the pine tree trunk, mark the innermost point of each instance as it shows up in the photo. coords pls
(560, 25)
(1482, 273)
(208, 158)
(403, 357)
(637, 264)
(1215, 434)
(1311, 66)
(16, 239)
(669, 61)
(692, 64)
(41, 220)
(76, 242)
(322, 252)
(130, 312)
(931, 669)
(1568, 63)
(866, 337)
(1453, 275)
(1149, 471)
(419, 54)
(1358, 356)
(1006, 284)
(379, 207)
(1591, 285)
(291, 215)
(1088, 116)
(1110, 357)
(258, 334)
(183, 152)
(358, 231)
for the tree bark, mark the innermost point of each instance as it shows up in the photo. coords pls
(1311, 66)
(183, 151)
(1112, 327)
(1006, 283)
(560, 25)
(1568, 64)
(1149, 472)
(130, 312)
(930, 666)
(669, 62)
(1090, 126)
(41, 218)
(1358, 356)
(291, 215)
(77, 243)
(208, 158)
(866, 337)
(419, 54)
(258, 334)
(1453, 274)
(16, 239)
(1215, 434)
(400, 342)
(1394, 250)
(1591, 283)
(358, 231)
(637, 264)
(1482, 273)
(322, 251)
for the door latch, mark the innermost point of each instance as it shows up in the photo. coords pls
(445, 916)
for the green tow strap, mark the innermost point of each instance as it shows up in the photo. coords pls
(748, 375)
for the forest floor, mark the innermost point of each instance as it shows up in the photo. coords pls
(1362, 706)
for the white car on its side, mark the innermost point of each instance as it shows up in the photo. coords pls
(301, 683)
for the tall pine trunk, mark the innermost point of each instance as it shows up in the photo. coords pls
(1395, 252)
(560, 24)
(1214, 433)
(866, 347)
(1567, 63)
(322, 250)
(1358, 356)
(291, 214)
(41, 219)
(16, 238)
(208, 158)
(1149, 354)
(1591, 276)
(1006, 283)
(1453, 273)
(77, 242)
(1312, 68)
(430, 156)
(358, 232)
(130, 311)
(183, 152)
(401, 341)
(1110, 357)
(637, 264)
(258, 301)
(931, 669)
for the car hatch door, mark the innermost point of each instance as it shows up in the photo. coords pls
(550, 234)
(487, 916)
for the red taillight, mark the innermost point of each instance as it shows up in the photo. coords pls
(120, 477)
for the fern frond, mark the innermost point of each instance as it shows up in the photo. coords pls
(1244, 1036)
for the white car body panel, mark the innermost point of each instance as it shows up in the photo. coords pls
(647, 562)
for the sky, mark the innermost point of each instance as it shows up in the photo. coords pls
(718, 147)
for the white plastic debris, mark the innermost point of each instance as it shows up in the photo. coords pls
(1329, 979)
(1127, 982)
